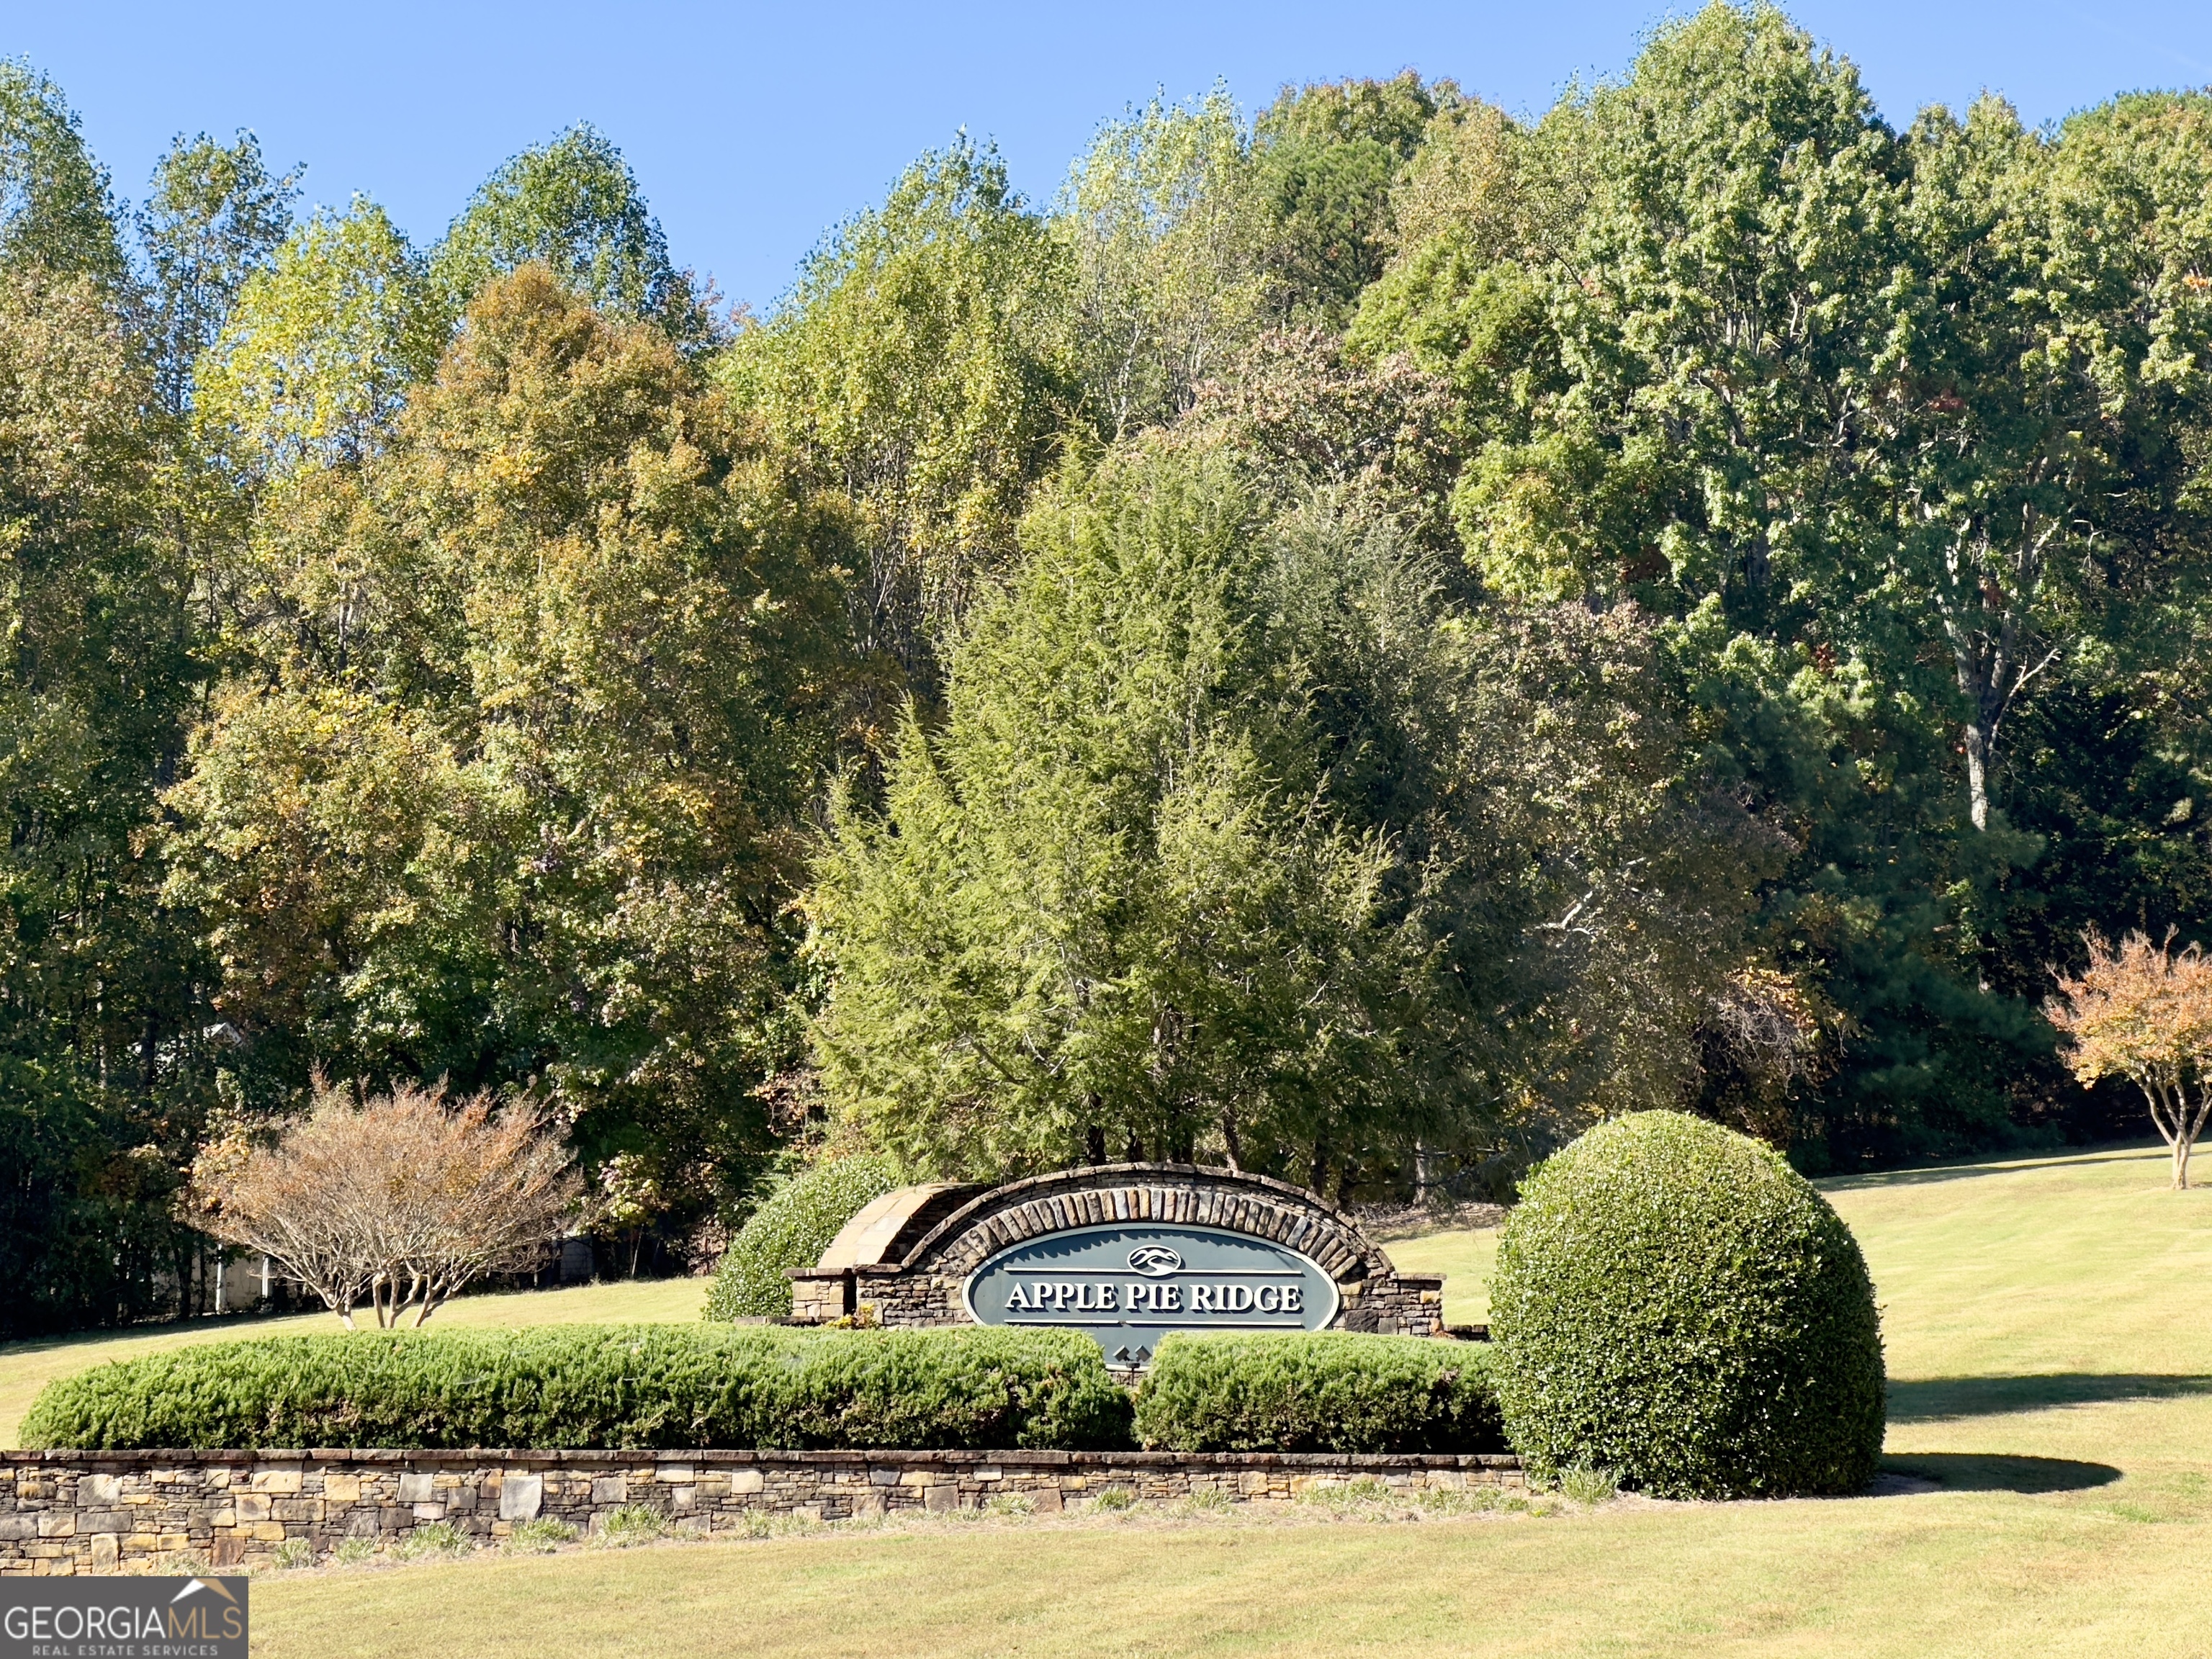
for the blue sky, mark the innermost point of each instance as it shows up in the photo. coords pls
(755, 128)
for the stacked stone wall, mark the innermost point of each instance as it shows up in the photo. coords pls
(75, 1512)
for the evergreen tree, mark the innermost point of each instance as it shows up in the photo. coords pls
(1109, 910)
(1326, 157)
(1238, 836)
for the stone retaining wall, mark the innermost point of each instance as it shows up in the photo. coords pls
(69, 1512)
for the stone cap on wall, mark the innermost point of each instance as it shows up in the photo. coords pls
(526, 1457)
(887, 1227)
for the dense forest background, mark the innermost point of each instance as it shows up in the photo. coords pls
(1349, 643)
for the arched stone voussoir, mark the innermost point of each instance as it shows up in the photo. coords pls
(1105, 1193)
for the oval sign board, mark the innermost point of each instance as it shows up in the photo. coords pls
(1129, 1284)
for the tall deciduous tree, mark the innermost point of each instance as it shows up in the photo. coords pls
(2048, 415)
(1170, 237)
(54, 207)
(921, 368)
(214, 215)
(656, 660)
(1716, 313)
(322, 346)
(294, 406)
(103, 1056)
(343, 865)
(534, 819)
(1890, 394)
(573, 205)
(1893, 432)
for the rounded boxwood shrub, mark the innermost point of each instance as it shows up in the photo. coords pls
(1324, 1391)
(792, 1228)
(1675, 1303)
(673, 1387)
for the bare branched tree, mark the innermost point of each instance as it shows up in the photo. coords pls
(400, 1201)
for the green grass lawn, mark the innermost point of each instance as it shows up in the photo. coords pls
(2049, 1325)
(1465, 1258)
(26, 1367)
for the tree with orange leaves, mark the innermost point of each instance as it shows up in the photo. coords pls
(2144, 1011)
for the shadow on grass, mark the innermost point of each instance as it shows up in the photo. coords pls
(236, 1324)
(1931, 1398)
(1975, 1472)
(1997, 1166)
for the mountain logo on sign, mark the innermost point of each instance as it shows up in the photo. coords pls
(1155, 1261)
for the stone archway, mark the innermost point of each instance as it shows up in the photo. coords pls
(911, 1255)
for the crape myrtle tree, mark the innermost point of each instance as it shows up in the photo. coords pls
(1213, 851)
(401, 1200)
(2143, 1011)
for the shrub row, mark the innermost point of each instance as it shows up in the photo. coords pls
(673, 1387)
(1327, 1391)
(678, 1386)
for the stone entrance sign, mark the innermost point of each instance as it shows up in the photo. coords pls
(1125, 1252)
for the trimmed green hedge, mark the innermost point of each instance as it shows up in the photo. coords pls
(675, 1386)
(1674, 1303)
(791, 1228)
(1324, 1391)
